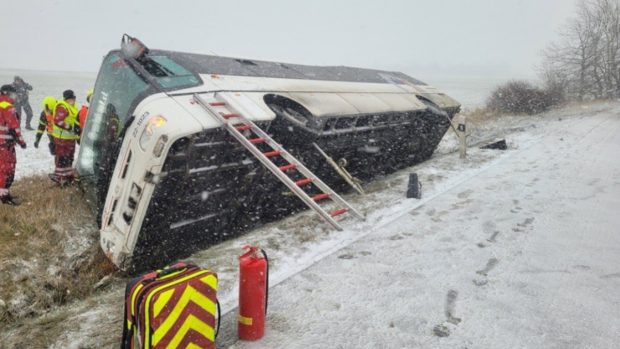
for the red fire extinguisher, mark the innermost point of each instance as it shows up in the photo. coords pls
(253, 293)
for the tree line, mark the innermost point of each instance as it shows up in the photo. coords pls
(585, 63)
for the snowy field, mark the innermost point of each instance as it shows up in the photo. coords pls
(508, 249)
(31, 160)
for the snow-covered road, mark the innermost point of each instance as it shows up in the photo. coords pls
(509, 249)
(524, 254)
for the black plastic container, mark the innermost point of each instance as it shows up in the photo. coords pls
(414, 189)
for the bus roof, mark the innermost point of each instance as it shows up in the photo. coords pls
(210, 64)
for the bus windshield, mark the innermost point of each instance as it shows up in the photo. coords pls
(117, 92)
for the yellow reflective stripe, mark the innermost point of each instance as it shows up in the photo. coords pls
(245, 320)
(188, 295)
(210, 280)
(147, 324)
(193, 346)
(41, 123)
(161, 301)
(64, 134)
(133, 298)
(192, 323)
(71, 109)
(5, 105)
(170, 275)
(141, 286)
(59, 132)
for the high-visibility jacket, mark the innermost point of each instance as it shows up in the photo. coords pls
(49, 117)
(49, 103)
(82, 118)
(9, 126)
(65, 120)
(46, 119)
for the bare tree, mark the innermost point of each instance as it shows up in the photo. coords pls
(609, 14)
(585, 63)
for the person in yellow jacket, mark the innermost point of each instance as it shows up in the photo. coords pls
(46, 122)
(10, 135)
(65, 136)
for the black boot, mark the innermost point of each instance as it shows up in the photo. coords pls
(54, 178)
(61, 181)
(9, 200)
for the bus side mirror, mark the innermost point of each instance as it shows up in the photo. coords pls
(133, 48)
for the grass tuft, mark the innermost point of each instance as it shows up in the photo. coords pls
(49, 250)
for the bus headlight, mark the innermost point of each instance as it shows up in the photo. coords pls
(151, 125)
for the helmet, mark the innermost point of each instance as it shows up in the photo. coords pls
(6, 89)
(89, 95)
(49, 102)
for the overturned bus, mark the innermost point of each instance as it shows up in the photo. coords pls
(166, 175)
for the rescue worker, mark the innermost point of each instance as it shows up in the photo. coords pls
(84, 111)
(22, 88)
(9, 135)
(65, 136)
(46, 122)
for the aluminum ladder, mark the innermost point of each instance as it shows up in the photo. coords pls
(237, 125)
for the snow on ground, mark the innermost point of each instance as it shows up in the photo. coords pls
(507, 249)
(515, 249)
(32, 160)
(522, 251)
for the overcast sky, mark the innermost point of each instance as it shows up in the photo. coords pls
(499, 38)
